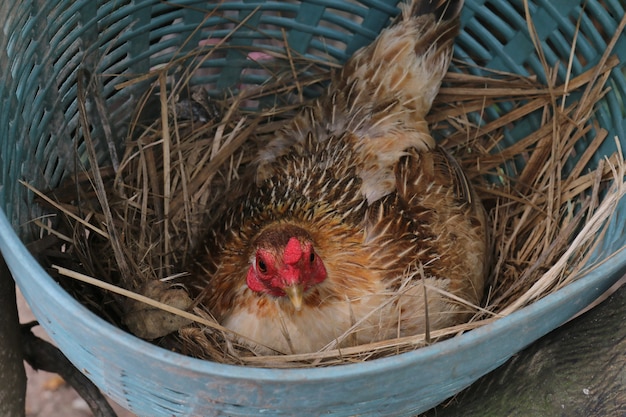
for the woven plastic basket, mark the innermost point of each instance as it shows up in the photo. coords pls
(42, 46)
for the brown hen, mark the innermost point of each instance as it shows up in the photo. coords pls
(359, 227)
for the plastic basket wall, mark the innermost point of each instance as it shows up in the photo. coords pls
(42, 46)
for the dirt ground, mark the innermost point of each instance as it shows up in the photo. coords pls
(47, 395)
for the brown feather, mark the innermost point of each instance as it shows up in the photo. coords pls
(391, 215)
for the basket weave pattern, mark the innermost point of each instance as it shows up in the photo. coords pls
(43, 46)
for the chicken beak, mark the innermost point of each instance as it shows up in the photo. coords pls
(294, 292)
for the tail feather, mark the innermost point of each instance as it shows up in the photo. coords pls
(445, 15)
(441, 9)
(391, 84)
(407, 61)
(381, 96)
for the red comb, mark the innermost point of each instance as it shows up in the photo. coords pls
(293, 251)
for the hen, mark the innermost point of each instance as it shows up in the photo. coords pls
(359, 227)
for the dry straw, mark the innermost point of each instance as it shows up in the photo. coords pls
(134, 227)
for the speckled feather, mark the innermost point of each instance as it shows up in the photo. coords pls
(386, 209)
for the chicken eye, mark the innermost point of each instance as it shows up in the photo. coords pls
(312, 257)
(261, 265)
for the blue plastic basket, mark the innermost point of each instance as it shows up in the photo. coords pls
(44, 43)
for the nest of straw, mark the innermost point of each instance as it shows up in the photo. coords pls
(123, 234)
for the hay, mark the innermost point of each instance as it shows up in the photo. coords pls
(139, 224)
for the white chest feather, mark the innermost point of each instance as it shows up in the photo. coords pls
(277, 328)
